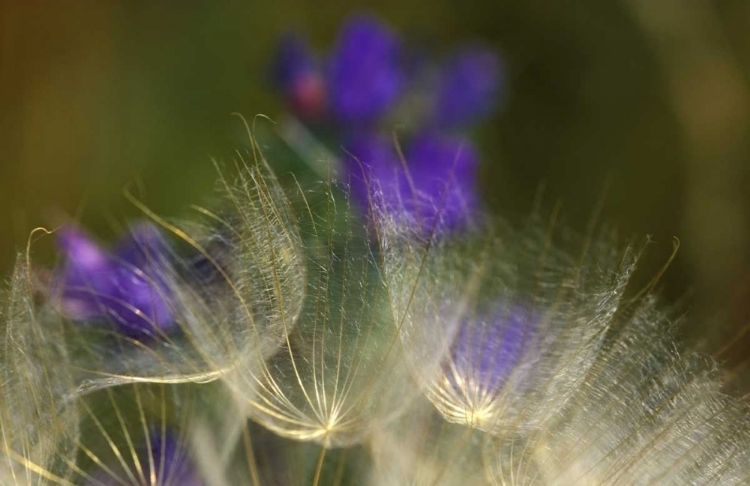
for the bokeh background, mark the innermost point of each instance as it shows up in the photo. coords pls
(647, 102)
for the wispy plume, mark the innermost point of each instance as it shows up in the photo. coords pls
(646, 413)
(37, 433)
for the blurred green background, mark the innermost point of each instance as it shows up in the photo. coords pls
(650, 95)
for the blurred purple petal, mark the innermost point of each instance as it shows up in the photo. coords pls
(469, 87)
(141, 303)
(373, 167)
(365, 75)
(292, 60)
(486, 350)
(83, 253)
(128, 288)
(298, 73)
(444, 171)
(88, 272)
(439, 191)
(142, 244)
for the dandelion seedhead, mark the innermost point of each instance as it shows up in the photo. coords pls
(139, 435)
(338, 374)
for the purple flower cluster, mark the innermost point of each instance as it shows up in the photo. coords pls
(126, 287)
(359, 91)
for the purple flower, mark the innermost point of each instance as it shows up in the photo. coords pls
(298, 73)
(488, 348)
(438, 189)
(469, 87)
(365, 75)
(126, 287)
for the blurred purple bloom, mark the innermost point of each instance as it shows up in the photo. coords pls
(438, 188)
(469, 87)
(126, 287)
(445, 169)
(372, 165)
(487, 349)
(365, 75)
(298, 73)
